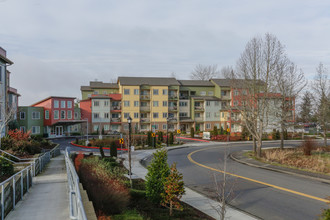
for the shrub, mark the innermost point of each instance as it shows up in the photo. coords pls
(19, 135)
(7, 142)
(192, 132)
(308, 145)
(6, 167)
(325, 214)
(160, 136)
(158, 170)
(105, 185)
(149, 139)
(171, 138)
(215, 130)
(113, 149)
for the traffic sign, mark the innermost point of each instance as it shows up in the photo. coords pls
(178, 131)
(121, 141)
(153, 135)
(228, 129)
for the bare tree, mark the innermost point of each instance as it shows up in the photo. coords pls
(321, 87)
(6, 117)
(227, 72)
(257, 66)
(202, 72)
(224, 191)
(289, 83)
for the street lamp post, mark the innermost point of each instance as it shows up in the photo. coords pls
(167, 120)
(129, 120)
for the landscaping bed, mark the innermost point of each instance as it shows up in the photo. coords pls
(112, 197)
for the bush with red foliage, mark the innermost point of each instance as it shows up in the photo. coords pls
(19, 135)
(77, 161)
(105, 188)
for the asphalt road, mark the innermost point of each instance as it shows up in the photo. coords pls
(251, 196)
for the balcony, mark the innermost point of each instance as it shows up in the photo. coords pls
(225, 97)
(145, 87)
(173, 108)
(145, 120)
(145, 108)
(115, 120)
(199, 108)
(144, 97)
(172, 97)
(115, 108)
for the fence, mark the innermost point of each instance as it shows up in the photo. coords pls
(77, 210)
(13, 188)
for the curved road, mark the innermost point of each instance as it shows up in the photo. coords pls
(262, 193)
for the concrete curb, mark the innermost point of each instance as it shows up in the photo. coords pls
(285, 170)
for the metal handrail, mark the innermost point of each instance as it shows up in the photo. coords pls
(77, 210)
(17, 158)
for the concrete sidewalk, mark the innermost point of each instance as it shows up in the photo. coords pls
(48, 197)
(191, 197)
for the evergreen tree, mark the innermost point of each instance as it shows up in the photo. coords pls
(306, 108)
(158, 171)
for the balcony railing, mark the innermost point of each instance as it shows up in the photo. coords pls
(115, 120)
(113, 108)
(227, 97)
(173, 108)
(172, 97)
(144, 97)
(145, 120)
(199, 108)
(145, 108)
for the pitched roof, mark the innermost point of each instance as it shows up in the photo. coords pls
(236, 83)
(153, 81)
(195, 83)
(99, 85)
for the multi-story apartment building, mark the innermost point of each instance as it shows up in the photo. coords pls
(103, 112)
(31, 119)
(98, 88)
(58, 115)
(149, 101)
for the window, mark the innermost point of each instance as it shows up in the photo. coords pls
(106, 103)
(136, 115)
(183, 103)
(216, 103)
(22, 115)
(235, 103)
(216, 114)
(69, 114)
(193, 93)
(35, 129)
(208, 114)
(165, 92)
(223, 93)
(235, 93)
(126, 115)
(69, 103)
(156, 127)
(222, 114)
(155, 115)
(136, 103)
(96, 92)
(35, 115)
(155, 92)
(155, 103)
(164, 114)
(76, 115)
(136, 91)
(210, 93)
(106, 127)
(208, 103)
(126, 103)
(144, 127)
(164, 103)
(208, 126)
(96, 115)
(96, 127)
(144, 104)
(244, 92)
(126, 127)
(56, 104)
(197, 104)
(126, 91)
(217, 125)
(106, 115)
(62, 104)
(46, 114)
(164, 126)
(183, 114)
(22, 128)
(96, 103)
(56, 116)
(203, 93)
(197, 115)
(62, 114)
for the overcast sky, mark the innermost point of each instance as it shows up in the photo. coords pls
(59, 45)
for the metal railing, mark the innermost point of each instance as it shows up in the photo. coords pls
(13, 188)
(77, 210)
